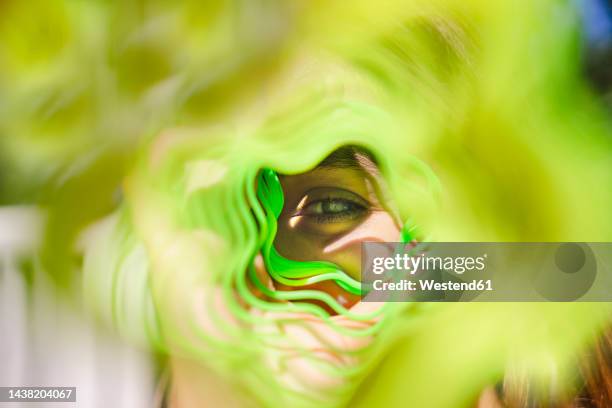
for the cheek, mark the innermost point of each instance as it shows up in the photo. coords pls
(344, 251)
(294, 243)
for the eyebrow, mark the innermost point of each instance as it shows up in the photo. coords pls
(351, 157)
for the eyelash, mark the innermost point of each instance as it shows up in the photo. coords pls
(353, 211)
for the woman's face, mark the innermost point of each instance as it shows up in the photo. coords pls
(329, 211)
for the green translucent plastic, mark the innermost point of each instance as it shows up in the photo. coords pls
(435, 90)
(300, 273)
(287, 271)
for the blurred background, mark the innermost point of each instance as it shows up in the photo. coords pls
(86, 86)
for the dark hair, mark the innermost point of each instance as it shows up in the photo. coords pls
(594, 385)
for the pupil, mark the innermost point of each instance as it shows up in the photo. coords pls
(334, 206)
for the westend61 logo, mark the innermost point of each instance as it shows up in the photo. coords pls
(487, 271)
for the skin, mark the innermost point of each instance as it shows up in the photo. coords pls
(329, 211)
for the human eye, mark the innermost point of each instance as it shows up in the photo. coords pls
(333, 209)
(331, 206)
